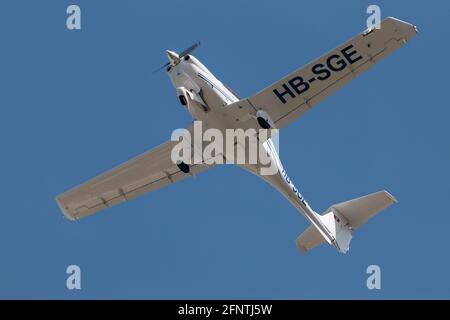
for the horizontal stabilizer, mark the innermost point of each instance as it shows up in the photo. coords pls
(358, 211)
(341, 219)
(310, 239)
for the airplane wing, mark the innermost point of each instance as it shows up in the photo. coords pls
(289, 98)
(147, 172)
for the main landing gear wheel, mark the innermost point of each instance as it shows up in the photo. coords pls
(183, 167)
(263, 123)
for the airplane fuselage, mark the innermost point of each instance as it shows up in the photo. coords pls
(210, 97)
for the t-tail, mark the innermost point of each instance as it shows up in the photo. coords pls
(340, 220)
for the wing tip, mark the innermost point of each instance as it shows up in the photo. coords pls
(409, 30)
(390, 196)
(64, 210)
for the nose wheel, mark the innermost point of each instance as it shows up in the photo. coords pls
(182, 100)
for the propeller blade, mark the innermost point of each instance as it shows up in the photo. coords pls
(189, 50)
(162, 67)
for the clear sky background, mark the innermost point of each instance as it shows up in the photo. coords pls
(76, 103)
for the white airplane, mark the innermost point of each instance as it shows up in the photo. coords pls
(210, 101)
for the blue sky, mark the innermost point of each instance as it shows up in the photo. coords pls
(76, 103)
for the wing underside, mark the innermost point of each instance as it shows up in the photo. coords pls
(147, 172)
(289, 98)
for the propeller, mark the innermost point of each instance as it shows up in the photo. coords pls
(162, 67)
(189, 50)
(175, 58)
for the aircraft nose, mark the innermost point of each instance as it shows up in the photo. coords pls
(173, 57)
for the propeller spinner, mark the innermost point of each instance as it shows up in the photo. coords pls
(175, 58)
